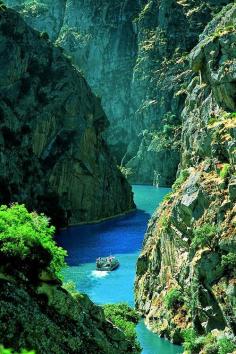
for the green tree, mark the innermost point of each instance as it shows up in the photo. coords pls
(26, 242)
(205, 236)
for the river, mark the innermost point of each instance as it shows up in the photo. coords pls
(122, 237)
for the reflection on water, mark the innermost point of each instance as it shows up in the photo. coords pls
(121, 237)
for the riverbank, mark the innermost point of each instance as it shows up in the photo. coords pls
(97, 221)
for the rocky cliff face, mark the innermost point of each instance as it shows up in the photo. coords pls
(134, 56)
(52, 153)
(186, 272)
(48, 319)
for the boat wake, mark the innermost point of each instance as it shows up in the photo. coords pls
(99, 274)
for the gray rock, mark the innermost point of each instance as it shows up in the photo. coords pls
(53, 156)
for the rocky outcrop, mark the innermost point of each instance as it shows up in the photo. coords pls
(52, 153)
(134, 56)
(48, 319)
(186, 271)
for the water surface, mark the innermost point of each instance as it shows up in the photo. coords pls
(123, 238)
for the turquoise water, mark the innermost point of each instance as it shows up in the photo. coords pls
(123, 238)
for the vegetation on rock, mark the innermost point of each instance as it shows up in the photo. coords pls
(173, 298)
(205, 236)
(125, 318)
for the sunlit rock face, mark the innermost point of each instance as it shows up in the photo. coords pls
(186, 271)
(134, 56)
(53, 155)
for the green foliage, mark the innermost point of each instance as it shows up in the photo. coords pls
(70, 287)
(221, 117)
(11, 351)
(34, 8)
(204, 236)
(126, 171)
(211, 348)
(184, 174)
(164, 221)
(168, 130)
(191, 341)
(224, 172)
(229, 261)
(226, 346)
(167, 197)
(208, 344)
(173, 298)
(125, 318)
(27, 239)
(221, 31)
(170, 119)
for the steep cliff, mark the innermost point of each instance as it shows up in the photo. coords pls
(134, 56)
(52, 153)
(186, 271)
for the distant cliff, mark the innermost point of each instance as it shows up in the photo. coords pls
(53, 156)
(134, 56)
(186, 271)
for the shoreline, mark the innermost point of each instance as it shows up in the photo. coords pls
(98, 221)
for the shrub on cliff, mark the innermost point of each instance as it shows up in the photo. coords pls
(209, 344)
(184, 174)
(173, 298)
(229, 261)
(26, 242)
(224, 172)
(125, 318)
(204, 236)
(226, 346)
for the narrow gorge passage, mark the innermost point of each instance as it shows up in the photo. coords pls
(96, 96)
(123, 238)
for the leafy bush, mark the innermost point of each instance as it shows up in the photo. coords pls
(208, 344)
(26, 241)
(226, 346)
(229, 261)
(173, 298)
(191, 342)
(168, 129)
(204, 236)
(70, 287)
(184, 174)
(11, 351)
(211, 348)
(126, 171)
(125, 318)
(224, 172)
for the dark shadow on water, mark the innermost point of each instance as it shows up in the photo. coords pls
(120, 235)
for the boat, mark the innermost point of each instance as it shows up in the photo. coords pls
(107, 263)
